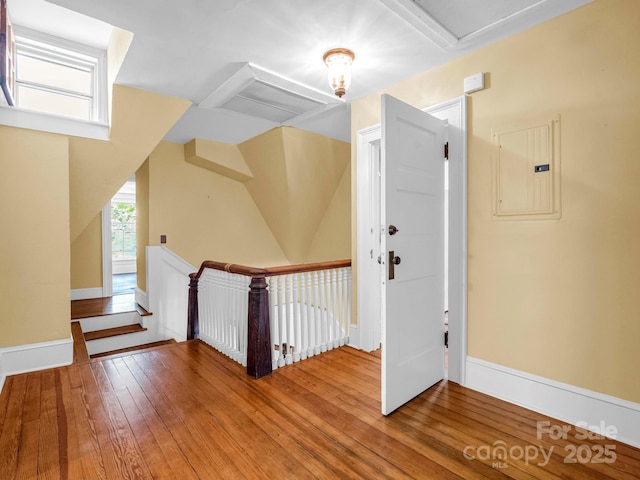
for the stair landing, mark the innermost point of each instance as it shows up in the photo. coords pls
(96, 307)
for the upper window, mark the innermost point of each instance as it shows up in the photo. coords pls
(59, 77)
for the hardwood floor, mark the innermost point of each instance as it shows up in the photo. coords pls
(184, 411)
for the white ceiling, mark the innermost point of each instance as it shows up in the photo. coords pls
(191, 48)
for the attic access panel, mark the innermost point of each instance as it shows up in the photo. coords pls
(251, 90)
(465, 18)
(263, 100)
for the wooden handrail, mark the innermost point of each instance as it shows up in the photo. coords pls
(256, 272)
(259, 332)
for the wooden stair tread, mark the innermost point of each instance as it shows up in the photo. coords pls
(141, 311)
(112, 332)
(121, 352)
(97, 307)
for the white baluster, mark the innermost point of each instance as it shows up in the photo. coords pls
(335, 302)
(304, 321)
(343, 305)
(275, 321)
(296, 340)
(288, 318)
(317, 316)
(281, 321)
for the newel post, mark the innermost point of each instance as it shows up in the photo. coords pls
(259, 341)
(193, 328)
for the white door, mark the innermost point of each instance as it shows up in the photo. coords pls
(413, 252)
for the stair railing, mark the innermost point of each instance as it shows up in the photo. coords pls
(265, 318)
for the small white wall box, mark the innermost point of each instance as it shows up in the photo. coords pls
(474, 83)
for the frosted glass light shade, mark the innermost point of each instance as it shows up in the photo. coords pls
(339, 62)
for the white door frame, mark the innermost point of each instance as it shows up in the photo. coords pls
(455, 113)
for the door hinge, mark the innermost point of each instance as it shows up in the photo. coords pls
(446, 150)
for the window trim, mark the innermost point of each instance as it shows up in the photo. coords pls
(67, 52)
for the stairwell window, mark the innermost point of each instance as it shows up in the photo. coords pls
(59, 77)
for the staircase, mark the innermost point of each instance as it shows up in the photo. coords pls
(112, 325)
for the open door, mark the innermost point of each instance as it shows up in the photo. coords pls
(412, 152)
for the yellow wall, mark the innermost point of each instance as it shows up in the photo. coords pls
(34, 245)
(556, 298)
(295, 177)
(142, 224)
(98, 169)
(332, 240)
(205, 215)
(86, 257)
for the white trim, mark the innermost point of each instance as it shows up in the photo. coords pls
(142, 299)
(71, 52)
(123, 265)
(565, 402)
(354, 336)
(85, 293)
(45, 122)
(455, 112)
(167, 292)
(35, 356)
(369, 336)
(431, 28)
(107, 279)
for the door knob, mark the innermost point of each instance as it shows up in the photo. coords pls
(393, 230)
(393, 261)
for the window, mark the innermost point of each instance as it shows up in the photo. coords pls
(59, 77)
(123, 230)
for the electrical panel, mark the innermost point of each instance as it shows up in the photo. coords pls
(526, 173)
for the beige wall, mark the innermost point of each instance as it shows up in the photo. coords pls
(205, 215)
(300, 179)
(142, 224)
(86, 257)
(556, 298)
(34, 246)
(98, 169)
(295, 177)
(332, 240)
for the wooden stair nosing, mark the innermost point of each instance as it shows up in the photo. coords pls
(80, 353)
(141, 311)
(122, 352)
(112, 332)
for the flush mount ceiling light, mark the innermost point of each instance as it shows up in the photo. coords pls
(339, 62)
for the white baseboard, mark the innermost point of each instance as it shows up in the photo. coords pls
(559, 400)
(34, 356)
(85, 293)
(354, 336)
(142, 299)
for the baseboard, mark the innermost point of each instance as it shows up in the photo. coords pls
(34, 356)
(354, 336)
(85, 293)
(568, 403)
(142, 299)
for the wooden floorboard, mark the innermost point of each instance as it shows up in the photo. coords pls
(185, 411)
